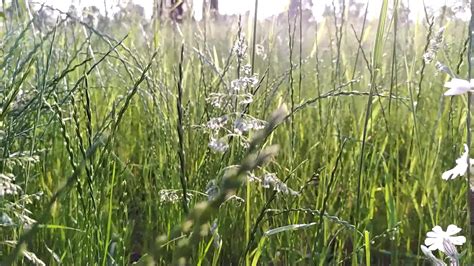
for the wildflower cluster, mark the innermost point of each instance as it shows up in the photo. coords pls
(235, 121)
(233, 103)
(260, 51)
(13, 210)
(171, 195)
(270, 180)
(7, 185)
(212, 190)
(240, 47)
(437, 239)
(434, 46)
(232, 125)
(445, 242)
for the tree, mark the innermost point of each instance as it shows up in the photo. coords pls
(295, 5)
(215, 5)
(177, 11)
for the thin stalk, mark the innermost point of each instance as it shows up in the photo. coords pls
(338, 35)
(182, 162)
(430, 22)
(291, 36)
(393, 71)
(317, 72)
(373, 79)
(470, 194)
(319, 230)
(254, 37)
(393, 84)
(300, 63)
(247, 220)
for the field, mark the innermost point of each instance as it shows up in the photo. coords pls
(295, 142)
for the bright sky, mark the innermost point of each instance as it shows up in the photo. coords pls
(266, 7)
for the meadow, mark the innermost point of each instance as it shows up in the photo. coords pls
(230, 141)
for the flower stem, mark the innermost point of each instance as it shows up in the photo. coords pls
(470, 194)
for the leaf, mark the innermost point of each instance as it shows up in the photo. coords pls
(285, 228)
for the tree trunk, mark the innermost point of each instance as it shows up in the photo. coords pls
(215, 5)
(176, 13)
(294, 5)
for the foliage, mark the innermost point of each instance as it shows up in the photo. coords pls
(102, 131)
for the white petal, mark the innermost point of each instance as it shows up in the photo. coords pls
(430, 241)
(462, 161)
(458, 87)
(463, 158)
(447, 175)
(437, 229)
(438, 245)
(432, 234)
(453, 229)
(458, 170)
(456, 91)
(424, 248)
(458, 83)
(457, 240)
(427, 252)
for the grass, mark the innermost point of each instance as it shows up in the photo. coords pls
(105, 127)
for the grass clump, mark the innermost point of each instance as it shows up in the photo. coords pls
(159, 145)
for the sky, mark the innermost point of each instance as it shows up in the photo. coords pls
(266, 7)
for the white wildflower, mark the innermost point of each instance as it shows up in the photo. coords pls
(271, 180)
(217, 123)
(212, 189)
(435, 45)
(258, 124)
(246, 98)
(242, 125)
(236, 85)
(458, 86)
(250, 81)
(442, 68)
(240, 47)
(167, 195)
(218, 145)
(431, 257)
(172, 195)
(434, 239)
(239, 84)
(428, 56)
(260, 51)
(461, 166)
(251, 177)
(247, 69)
(217, 100)
(7, 185)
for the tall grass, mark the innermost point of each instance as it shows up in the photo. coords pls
(106, 131)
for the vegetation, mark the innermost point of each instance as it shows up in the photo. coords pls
(294, 141)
